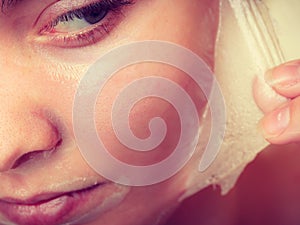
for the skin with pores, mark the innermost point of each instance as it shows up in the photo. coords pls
(40, 70)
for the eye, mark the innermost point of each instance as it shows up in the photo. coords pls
(84, 26)
(79, 19)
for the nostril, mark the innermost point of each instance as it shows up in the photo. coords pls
(26, 157)
(33, 154)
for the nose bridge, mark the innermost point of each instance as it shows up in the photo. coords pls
(25, 125)
(24, 128)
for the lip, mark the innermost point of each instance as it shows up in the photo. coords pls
(52, 208)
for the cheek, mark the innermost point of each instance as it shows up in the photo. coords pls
(192, 24)
(140, 114)
(53, 91)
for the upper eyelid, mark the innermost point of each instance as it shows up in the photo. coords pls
(60, 7)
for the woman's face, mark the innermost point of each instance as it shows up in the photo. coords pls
(46, 46)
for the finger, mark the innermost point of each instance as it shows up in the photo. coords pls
(265, 97)
(282, 126)
(285, 79)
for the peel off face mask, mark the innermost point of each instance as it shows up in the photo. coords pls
(253, 36)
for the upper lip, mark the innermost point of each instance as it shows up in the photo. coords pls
(44, 197)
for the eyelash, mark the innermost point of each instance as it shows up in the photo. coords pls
(95, 32)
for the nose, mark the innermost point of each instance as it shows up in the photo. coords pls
(27, 126)
(25, 133)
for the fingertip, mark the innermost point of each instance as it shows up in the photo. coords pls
(265, 97)
(274, 124)
(285, 79)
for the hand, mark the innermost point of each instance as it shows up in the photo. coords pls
(281, 124)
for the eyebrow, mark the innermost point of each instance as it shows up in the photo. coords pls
(5, 4)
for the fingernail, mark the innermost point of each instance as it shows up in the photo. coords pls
(284, 76)
(276, 123)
